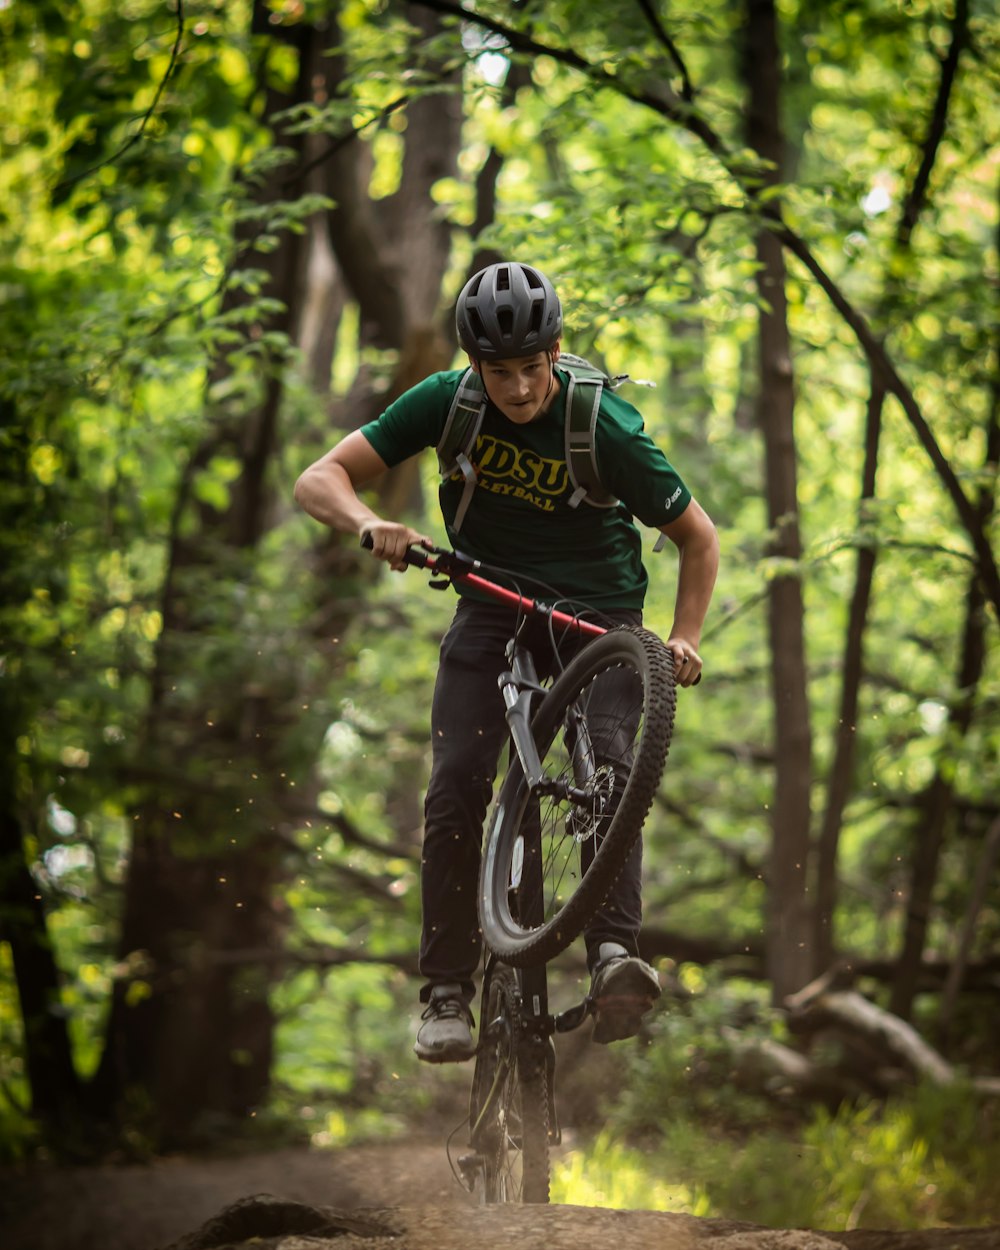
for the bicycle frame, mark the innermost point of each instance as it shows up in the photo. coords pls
(519, 686)
(461, 569)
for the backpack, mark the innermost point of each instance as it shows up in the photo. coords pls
(583, 401)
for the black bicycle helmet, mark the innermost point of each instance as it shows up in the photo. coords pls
(507, 310)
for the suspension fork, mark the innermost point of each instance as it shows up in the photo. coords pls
(520, 687)
(581, 748)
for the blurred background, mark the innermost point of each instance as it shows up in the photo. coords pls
(232, 233)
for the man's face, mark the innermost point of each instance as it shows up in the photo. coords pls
(521, 388)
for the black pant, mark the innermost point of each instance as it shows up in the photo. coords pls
(469, 731)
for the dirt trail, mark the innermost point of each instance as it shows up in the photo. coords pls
(146, 1207)
(388, 1197)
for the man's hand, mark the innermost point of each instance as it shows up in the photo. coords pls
(389, 541)
(687, 661)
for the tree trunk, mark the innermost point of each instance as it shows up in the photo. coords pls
(841, 771)
(193, 1030)
(842, 768)
(788, 929)
(189, 1034)
(930, 835)
(52, 1078)
(53, 1083)
(982, 879)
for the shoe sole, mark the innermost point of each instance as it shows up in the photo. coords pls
(620, 1017)
(618, 1012)
(444, 1054)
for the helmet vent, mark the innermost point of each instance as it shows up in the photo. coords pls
(507, 310)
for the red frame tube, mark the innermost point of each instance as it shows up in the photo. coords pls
(502, 595)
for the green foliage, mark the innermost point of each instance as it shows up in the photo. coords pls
(913, 1163)
(927, 1159)
(140, 330)
(685, 1069)
(609, 1174)
(346, 1068)
(690, 1129)
(17, 1134)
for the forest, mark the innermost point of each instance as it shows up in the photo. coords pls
(232, 233)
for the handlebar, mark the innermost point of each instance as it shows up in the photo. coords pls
(455, 567)
(436, 559)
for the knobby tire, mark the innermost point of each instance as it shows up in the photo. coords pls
(623, 683)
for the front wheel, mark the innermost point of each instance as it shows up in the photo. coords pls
(552, 854)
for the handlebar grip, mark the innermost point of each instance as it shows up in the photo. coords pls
(413, 556)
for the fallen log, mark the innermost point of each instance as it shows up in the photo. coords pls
(823, 1007)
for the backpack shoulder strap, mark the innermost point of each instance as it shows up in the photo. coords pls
(582, 370)
(461, 428)
(583, 403)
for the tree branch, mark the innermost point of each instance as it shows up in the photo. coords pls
(147, 116)
(850, 1014)
(350, 832)
(935, 132)
(894, 384)
(313, 955)
(667, 103)
(683, 114)
(657, 943)
(745, 866)
(687, 92)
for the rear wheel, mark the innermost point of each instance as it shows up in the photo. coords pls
(602, 731)
(509, 1104)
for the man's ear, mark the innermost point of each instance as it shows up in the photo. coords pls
(475, 363)
(555, 350)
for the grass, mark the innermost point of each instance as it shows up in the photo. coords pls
(929, 1159)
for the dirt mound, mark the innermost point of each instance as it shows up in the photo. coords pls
(141, 1207)
(395, 1197)
(270, 1224)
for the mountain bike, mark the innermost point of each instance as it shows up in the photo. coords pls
(587, 754)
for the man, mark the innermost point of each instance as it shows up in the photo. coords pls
(523, 516)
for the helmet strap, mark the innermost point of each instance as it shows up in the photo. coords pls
(552, 379)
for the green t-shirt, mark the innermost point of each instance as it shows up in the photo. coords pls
(519, 518)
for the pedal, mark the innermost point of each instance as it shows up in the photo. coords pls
(571, 1019)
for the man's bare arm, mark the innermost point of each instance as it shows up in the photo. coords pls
(697, 543)
(328, 491)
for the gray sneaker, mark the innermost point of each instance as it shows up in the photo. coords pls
(446, 1033)
(622, 989)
